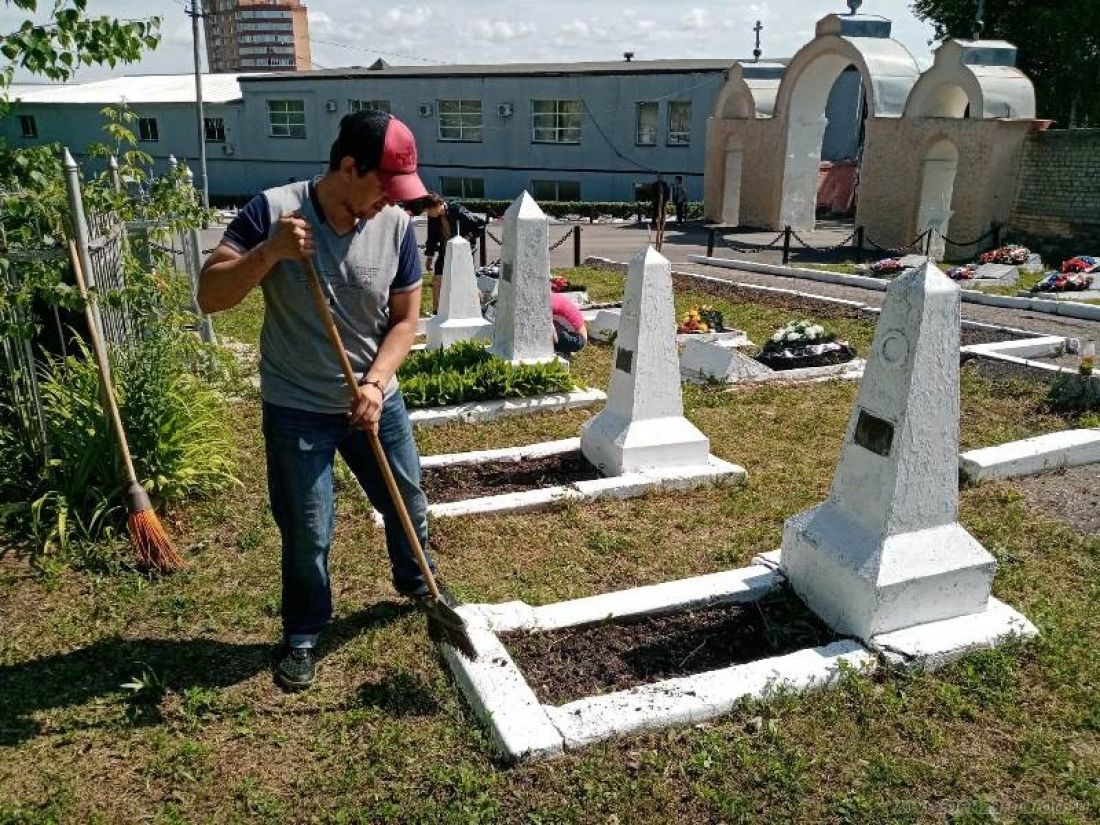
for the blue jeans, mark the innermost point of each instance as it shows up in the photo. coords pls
(568, 341)
(301, 447)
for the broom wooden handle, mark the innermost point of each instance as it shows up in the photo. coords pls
(380, 458)
(104, 364)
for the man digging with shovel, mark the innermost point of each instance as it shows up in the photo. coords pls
(366, 252)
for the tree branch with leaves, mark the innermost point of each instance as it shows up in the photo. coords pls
(72, 38)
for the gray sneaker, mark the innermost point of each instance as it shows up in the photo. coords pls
(296, 669)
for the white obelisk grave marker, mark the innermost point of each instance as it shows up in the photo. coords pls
(885, 551)
(523, 332)
(642, 426)
(459, 317)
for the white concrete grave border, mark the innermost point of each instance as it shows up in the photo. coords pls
(627, 485)
(480, 411)
(522, 728)
(1031, 456)
(1024, 352)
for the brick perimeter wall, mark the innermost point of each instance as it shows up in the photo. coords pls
(1057, 202)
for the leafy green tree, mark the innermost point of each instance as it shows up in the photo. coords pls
(1058, 43)
(72, 38)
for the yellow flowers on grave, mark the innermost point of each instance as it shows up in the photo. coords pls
(701, 319)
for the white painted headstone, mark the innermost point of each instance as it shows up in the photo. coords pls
(523, 331)
(459, 317)
(605, 326)
(642, 425)
(885, 551)
(718, 361)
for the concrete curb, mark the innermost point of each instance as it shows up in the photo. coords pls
(1030, 456)
(1065, 308)
(480, 411)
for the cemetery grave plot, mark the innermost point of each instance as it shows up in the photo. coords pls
(443, 483)
(568, 664)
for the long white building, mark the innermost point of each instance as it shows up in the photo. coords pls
(564, 131)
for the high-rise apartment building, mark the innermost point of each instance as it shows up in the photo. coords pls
(256, 35)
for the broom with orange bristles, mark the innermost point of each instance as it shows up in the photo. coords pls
(151, 544)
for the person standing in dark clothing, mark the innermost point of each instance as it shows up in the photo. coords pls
(679, 197)
(658, 195)
(446, 219)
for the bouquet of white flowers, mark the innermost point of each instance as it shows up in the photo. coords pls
(804, 344)
(799, 333)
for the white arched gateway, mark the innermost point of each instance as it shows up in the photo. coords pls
(742, 114)
(888, 72)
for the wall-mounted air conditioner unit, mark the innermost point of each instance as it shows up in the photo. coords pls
(505, 110)
(426, 110)
(330, 105)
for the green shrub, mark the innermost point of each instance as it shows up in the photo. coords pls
(467, 371)
(1074, 394)
(175, 424)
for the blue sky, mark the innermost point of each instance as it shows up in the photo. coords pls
(345, 32)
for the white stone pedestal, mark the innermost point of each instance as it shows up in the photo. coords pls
(885, 551)
(643, 426)
(459, 317)
(523, 330)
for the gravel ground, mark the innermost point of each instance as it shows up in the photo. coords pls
(1071, 495)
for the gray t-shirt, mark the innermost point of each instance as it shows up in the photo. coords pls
(359, 271)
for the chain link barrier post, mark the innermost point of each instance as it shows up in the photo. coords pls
(481, 253)
(577, 245)
(786, 245)
(859, 244)
(710, 242)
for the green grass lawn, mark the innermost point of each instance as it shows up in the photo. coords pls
(202, 734)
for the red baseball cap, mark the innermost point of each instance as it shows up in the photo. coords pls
(397, 163)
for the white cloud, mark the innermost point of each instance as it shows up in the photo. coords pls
(695, 19)
(403, 20)
(497, 31)
(320, 23)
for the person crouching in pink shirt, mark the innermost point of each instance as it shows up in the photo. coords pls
(570, 333)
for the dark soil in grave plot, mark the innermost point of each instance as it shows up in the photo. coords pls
(457, 482)
(568, 664)
(997, 370)
(970, 336)
(1071, 496)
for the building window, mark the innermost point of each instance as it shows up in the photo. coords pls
(645, 131)
(556, 121)
(286, 118)
(214, 128)
(679, 122)
(460, 120)
(147, 129)
(28, 127)
(556, 190)
(462, 187)
(369, 106)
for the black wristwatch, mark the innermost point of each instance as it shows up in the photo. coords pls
(364, 381)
